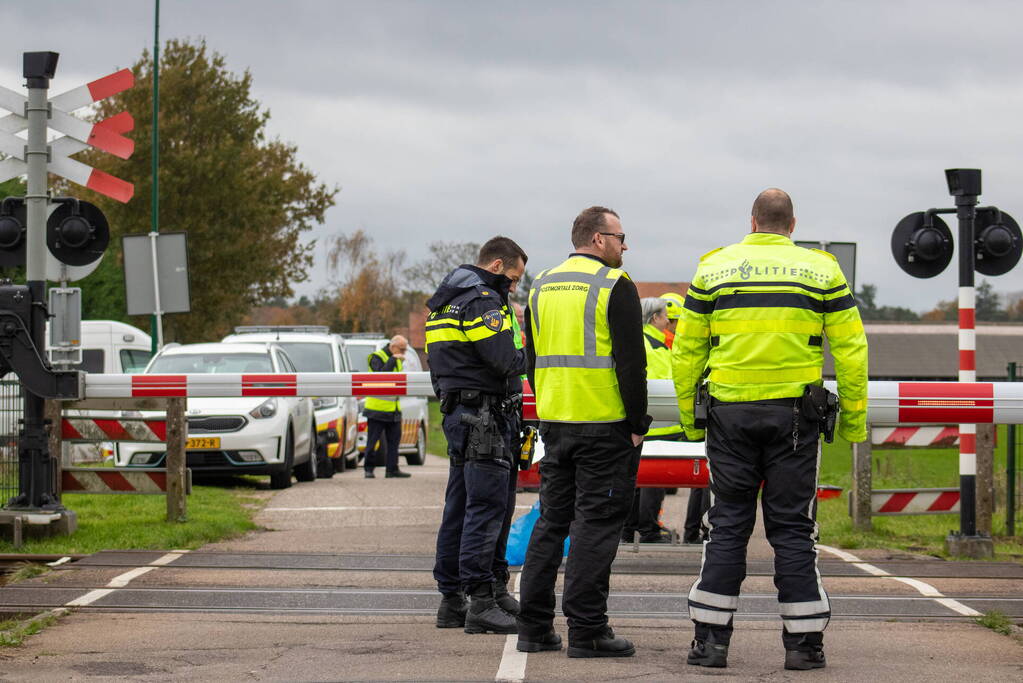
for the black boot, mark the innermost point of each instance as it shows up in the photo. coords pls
(805, 659)
(451, 613)
(504, 599)
(606, 645)
(547, 642)
(708, 653)
(484, 615)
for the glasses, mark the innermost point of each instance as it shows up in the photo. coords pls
(619, 235)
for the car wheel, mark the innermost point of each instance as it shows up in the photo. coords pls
(281, 479)
(307, 470)
(324, 463)
(339, 463)
(419, 457)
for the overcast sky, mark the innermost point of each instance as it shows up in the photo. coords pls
(461, 120)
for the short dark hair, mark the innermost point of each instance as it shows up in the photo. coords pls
(503, 248)
(773, 210)
(588, 223)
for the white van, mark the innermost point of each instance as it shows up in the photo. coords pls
(111, 346)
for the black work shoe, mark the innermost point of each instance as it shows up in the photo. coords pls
(397, 473)
(484, 616)
(802, 660)
(369, 474)
(548, 641)
(606, 645)
(504, 599)
(451, 613)
(702, 653)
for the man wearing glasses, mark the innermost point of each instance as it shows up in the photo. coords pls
(587, 364)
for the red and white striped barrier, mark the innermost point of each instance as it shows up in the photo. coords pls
(118, 480)
(915, 436)
(113, 429)
(887, 402)
(914, 501)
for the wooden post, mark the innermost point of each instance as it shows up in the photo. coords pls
(859, 497)
(52, 410)
(985, 477)
(175, 461)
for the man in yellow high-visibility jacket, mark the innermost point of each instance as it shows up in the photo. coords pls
(383, 413)
(754, 320)
(585, 361)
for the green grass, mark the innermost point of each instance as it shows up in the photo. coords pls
(138, 522)
(436, 443)
(996, 621)
(907, 468)
(13, 631)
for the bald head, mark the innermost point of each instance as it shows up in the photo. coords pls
(772, 212)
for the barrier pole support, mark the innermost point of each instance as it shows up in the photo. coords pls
(176, 434)
(859, 500)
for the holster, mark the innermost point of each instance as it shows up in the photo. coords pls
(821, 406)
(485, 440)
(701, 403)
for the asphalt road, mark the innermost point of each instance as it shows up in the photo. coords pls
(338, 586)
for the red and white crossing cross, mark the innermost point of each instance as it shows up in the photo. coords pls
(106, 135)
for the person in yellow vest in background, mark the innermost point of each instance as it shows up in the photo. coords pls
(383, 413)
(646, 504)
(673, 308)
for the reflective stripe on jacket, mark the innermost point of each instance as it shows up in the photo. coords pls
(575, 371)
(383, 404)
(756, 315)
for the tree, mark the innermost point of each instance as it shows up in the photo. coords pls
(369, 293)
(988, 305)
(426, 275)
(244, 200)
(869, 310)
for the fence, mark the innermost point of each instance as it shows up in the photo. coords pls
(10, 414)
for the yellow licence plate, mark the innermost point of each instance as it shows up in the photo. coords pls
(203, 442)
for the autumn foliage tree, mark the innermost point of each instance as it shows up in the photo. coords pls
(368, 286)
(244, 199)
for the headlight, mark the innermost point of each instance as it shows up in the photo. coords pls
(321, 403)
(267, 408)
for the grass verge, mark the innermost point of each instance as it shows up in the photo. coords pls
(14, 631)
(907, 468)
(138, 522)
(996, 621)
(436, 441)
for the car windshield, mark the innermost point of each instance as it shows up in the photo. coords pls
(212, 363)
(358, 356)
(309, 356)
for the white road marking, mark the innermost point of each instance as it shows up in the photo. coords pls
(513, 662)
(122, 580)
(925, 589)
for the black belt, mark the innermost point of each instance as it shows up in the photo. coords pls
(786, 402)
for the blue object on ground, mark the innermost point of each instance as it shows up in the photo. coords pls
(519, 534)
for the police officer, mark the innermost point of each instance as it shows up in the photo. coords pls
(587, 366)
(476, 370)
(646, 504)
(383, 413)
(755, 316)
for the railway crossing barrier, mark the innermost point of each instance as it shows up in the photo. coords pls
(152, 480)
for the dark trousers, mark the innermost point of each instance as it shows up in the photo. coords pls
(587, 479)
(749, 444)
(696, 508)
(478, 504)
(382, 434)
(645, 515)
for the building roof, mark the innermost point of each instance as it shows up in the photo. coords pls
(930, 351)
(658, 288)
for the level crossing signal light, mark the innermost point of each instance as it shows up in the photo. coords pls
(77, 232)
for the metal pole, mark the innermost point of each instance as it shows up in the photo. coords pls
(1010, 469)
(158, 314)
(966, 211)
(155, 321)
(36, 488)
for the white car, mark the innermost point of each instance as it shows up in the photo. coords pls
(251, 435)
(415, 416)
(313, 349)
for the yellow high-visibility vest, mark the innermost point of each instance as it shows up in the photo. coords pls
(383, 404)
(575, 371)
(658, 366)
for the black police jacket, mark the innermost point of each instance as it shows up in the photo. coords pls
(469, 337)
